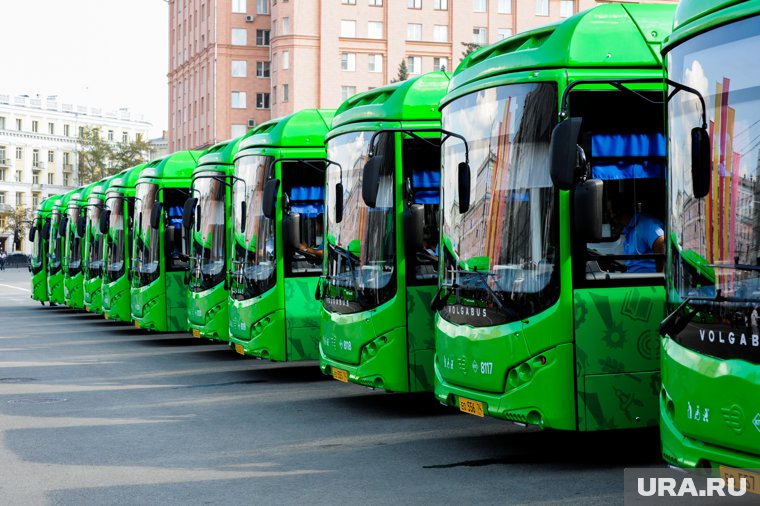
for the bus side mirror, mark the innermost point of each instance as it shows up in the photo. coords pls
(187, 213)
(155, 215)
(105, 220)
(243, 217)
(564, 153)
(588, 210)
(46, 230)
(81, 226)
(338, 202)
(269, 201)
(700, 162)
(291, 228)
(371, 180)
(32, 233)
(464, 187)
(414, 221)
(62, 225)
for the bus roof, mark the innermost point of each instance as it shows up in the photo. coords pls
(179, 164)
(127, 178)
(411, 100)
(693, 16)
(303, 129)
(607, 36)
(223, 153)
(47, 204)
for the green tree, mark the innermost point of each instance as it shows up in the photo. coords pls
(469, 47)
(17, 220)
(403, 72)
(99, 158)
(129, 154)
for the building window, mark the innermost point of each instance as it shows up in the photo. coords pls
(51, 156)
(262, 69)
(285, 60)
(35, 126)
(110, 135)
(348, 2)
(375, 63)
(504, 7)
(441, 64)
(441, 5)
(542, 7)
(348, 61)
(376, 3)
(19, 124)
(285, 93)
(565, 8)
(285, 26)
(19, 176)
(262, 7)
(66, 131)
(347, 28)
(274, 94)
(347, 92)
(2, 201)
(66, 179)
(503, 33)
(479, 5)
(237, 130)
(414, 4)
(238, 100)
(19, 153)
(441, 33)
(35, 180)
(262, 37)
(51, 128)
(51, 178)
(238, 6)
(3, 161)
(240, 36)
(3, 173)
(479, 35)
(66, 160)
(19, 198)
(262, 100)
(375, 30)
(239, 68)
(413, 31)
(35, 158)
(414, 64)
(274, 62)
(81, 132)
(35, 199)
(124, 137)
(274, 28)
(2, 122)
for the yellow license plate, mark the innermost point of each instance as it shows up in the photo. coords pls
(753, 479)
(87, 308)
(105, 315)
(196, 333)
(137, 324)
(340, 375)
(239, 349)
(471, 407)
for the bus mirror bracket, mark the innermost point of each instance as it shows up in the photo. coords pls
(371, 180)
(700, 162)
(464, 187)
(155, 215)
(588, 209)
(269, 201)
(338, 202)
(243, 210)
(564, 153)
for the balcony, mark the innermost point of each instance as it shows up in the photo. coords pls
(38, 166)
(67, 167)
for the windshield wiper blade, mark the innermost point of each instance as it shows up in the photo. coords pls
(483, 278)
(351, 259)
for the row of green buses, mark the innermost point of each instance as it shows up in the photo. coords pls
(562, 233)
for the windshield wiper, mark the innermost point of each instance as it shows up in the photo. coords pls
(483, 276)
(674, 323)
(351, 259)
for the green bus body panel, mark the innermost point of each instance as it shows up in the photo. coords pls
(116, 294)
(390, 347)
(281, 324)
(568, 367)
(55, 277)
(93, 287)
(162, 305)
(40, 273)
(73, 286)
(725, 392)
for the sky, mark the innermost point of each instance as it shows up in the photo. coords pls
(106, 54)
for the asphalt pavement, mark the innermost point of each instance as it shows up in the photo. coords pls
(93, 412)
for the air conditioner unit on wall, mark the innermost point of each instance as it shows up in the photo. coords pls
(251, 123)
(249, 18)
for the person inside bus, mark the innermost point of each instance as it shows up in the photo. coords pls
(643, 233)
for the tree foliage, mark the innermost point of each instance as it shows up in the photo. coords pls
(403, 72)
(469, 47)
(17, 220)
(99, 158)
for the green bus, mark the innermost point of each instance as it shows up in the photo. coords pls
(73, 268)
(39, 235)
(209, 207)
(116, 224)
(93, 247)
(382, 201)
(709, 409)
(159, 265)
(552, 237)
(57, 248)
(277, 211)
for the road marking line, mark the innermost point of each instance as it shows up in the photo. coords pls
(16, 287)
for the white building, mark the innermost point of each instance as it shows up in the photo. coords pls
(38, 146)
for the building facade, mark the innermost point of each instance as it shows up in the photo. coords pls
(38, 150)
(235, 63)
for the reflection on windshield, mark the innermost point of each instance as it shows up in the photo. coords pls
(254, 264)
(54, 243)
(37, 245)
(95, 260)
(501, 253)
(361, 249)
(207, 267)
(116, 232)
(74, 247)
(146, 240)
(717, 239)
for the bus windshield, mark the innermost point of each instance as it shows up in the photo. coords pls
(95, 260)
(37, 252)
(74, 250)
(254, 253)
(500, 255)
(54, 243)
(717, 238)
(361, 248)
(207, 258)
(116, 232)
(146, 240)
